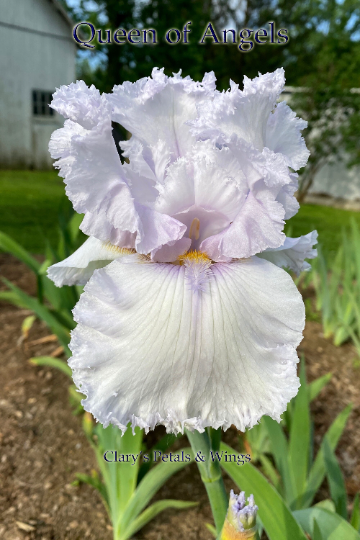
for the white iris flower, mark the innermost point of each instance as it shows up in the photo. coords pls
(193, 323)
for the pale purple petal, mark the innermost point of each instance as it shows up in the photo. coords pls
(150, 350)
(156, 230)
(241, 112)
(159, 107)
(79, 103)
(171, 251)
(80, 266)
(259, 225)
(293, 252)
(283, 136)
(97, 225)
(117, 197)
(222, 188)
(286, 197)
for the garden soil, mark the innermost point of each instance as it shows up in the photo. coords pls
(42, 445)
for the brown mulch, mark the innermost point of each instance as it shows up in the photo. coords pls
(42, 445)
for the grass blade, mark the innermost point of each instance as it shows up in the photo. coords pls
(277, 519)
(318, 470)
(317, 532)
(165, 442)
(127, 477)
(96, 483)
(336, 480)
(256, 441)
(299, 443)
(211, 529)
(327, 504)
(9, 245)
(119, 478)
(152, 512)
(332, 526)
(12, 298)
(279, 447)
(43, 313)
(355, 516)
(53, 363)
(73, 226)
(315, 387)
(151, 483)
(271, 472)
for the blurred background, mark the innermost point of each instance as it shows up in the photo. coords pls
(42, 444)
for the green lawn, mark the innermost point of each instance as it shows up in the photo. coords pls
(31, 201)
(29, 206)
(329, 222)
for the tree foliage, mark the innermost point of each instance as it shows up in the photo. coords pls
(322, 56)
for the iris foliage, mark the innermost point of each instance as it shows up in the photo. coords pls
(337, 289)
(285, 474)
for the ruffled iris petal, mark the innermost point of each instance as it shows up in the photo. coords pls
(79, 267)
(241, 112)
(233, 191)
(258, 226)
(286, 197)
(97, 184)
(159, 107)
(219, 158)
(293, 252)
(162, 344)
(283, 135)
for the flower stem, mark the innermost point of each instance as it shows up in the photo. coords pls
(204, 446)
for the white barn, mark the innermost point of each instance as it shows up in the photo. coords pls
(333, 180)
(37, 54)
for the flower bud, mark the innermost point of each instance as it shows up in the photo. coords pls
(240, 521)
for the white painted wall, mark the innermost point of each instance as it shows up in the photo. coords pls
(31, 61)
(334, 180)
(337, 181)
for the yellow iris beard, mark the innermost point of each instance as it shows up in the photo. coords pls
(194, 256)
